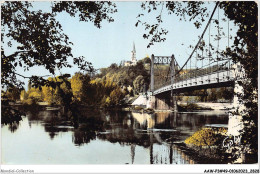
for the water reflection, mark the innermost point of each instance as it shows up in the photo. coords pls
(147, 138)
(86, 131)
(13, 126)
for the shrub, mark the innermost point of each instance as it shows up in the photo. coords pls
(206, 137)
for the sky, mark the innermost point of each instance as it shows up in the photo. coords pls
(113, 42)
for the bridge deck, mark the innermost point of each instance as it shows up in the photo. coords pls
(215, 79)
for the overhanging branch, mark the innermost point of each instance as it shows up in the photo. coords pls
(30, 76)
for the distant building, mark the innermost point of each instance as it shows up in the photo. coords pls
(133, 58)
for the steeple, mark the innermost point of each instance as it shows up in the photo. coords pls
(133, 58)
(134, 47)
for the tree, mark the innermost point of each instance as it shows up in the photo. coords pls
(81, 87)
(13, 93)
(225, 93)
(146, 60)
(76, 85)
(113, 66)
(139, 84)
(50, 90)
(116, 96)
(23, 95)
(212, 95)
(38, 40)
(35, 95)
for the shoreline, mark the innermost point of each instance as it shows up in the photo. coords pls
(198, 158)
(182, 107)
(212, 105)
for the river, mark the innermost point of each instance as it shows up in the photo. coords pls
(102, 137)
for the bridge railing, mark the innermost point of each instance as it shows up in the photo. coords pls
(194, 73)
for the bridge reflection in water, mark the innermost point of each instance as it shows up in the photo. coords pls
(157, 133)
(161, 152)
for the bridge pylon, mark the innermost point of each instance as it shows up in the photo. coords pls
(173, 95)
(167, 102)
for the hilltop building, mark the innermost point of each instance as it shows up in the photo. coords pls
(133, 58)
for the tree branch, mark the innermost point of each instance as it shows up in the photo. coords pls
(29, 77)
(17, 52)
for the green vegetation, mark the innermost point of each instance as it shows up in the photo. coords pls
(223, 94)
(12, 93)
(207, 144)
(207, 137)
(107, 89)
(137, 76)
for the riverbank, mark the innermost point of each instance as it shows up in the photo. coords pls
(182, 106)
(209, 105)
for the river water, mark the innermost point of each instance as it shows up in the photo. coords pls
(102, 137)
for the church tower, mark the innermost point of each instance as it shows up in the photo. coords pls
(133, 60)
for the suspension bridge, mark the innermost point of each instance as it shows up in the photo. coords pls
(207, 67)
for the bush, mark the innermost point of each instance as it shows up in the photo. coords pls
(206, 137)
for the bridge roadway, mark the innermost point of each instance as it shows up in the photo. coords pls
(222, 78)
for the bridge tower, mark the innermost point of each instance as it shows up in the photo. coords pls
(166, 102)
(173, 96)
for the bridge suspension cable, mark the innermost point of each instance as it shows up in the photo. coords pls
(217, 3)
(198, 70)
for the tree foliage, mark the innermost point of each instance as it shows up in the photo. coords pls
(155, 33)
(38, 39)
(126, 75)
(77, 84)
(33, 38)
(88, 11)
(139, 84)
(13, 93)
(116, 96)
(245, 51)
